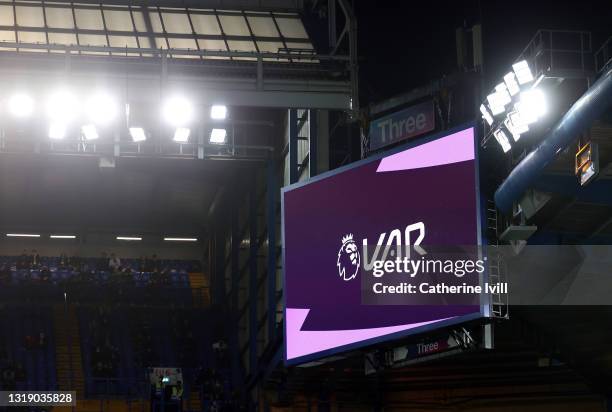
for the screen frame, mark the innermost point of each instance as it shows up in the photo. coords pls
(485, 305)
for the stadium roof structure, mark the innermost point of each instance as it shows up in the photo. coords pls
(249, 53)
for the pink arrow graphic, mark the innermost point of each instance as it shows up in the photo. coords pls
(454, 148)
(301, 343)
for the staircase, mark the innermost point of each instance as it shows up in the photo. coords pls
(68, 350)
(200, 288)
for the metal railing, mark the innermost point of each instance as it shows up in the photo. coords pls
(603, 56)
(553, 50)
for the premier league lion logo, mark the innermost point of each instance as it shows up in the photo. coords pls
(348, 258)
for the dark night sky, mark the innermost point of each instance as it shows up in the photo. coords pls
(406, 44)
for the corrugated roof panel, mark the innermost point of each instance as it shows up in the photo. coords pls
(205, 24)
(243, 46)
(156, 23)
(139, 21)
(92, 40)
(67, 39)
(118, 20)
(7, 36)
(206, 44)
(122, 41)
(176, 23)
(89, 19)
(183, 44)
(59, 18)
(30, 16)
(291, 27)
(6, 16)
(32, 37)
(263, 26)
(234, 25)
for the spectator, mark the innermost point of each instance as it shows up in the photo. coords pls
(114, 263)
(45, 274)
(103, 263)
(152, 264)
(63, 261)
(5, 274)
(75, 262)
(34, 259)
(24, 260)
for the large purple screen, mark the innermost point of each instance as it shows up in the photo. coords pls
(434, 182)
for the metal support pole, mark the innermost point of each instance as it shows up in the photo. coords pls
(235, 280)
(272, 188)
(312, 142)
(253, 318)
(293, 142)
(331, 21)
(217, 284)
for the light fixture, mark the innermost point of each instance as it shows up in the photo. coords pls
(516, 128)
(20, 105)
(531, 106)
(21, 235)
(218, 112)
(181, 135)
(486, 115)
(57, 130)
(138, 134)
(178, 111)
(62, 236)
(180, 239)
(499, 99)
(523, 72)
(128, 238)
(518, 122)
(89, 132)
(62, 107)
(502, 139)
(101, 109)
(511, 84)
(218, 136)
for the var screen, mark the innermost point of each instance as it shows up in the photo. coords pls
(428, 190)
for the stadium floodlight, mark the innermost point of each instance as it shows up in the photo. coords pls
(502, 139)
(101, 109)
(21, 105)
(62, 236)
(181, 239)
(218, 112)
(518, 121)
(511, 84)
(62, 107)
(128, 238)
(22, 235)
(523, 72)
(218, 136)
(486, 115)
(515, 127)
(531, 106)
(181, 134)
(89, 132)
(138, 134)
(499, 99)
(178, 111)
(57, 130)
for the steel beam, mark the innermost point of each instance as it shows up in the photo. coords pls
(253, 289)
(235, 281)
(293, 146)
(312, 142)
(272, 190)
